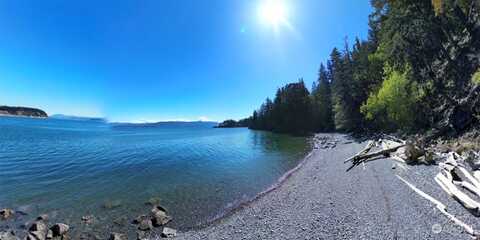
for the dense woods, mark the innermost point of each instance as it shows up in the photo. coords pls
(419, 69)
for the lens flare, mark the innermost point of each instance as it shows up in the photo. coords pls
(273, 13)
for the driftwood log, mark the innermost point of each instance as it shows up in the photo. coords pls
(390, 147)
(459, 175)
(443, 209)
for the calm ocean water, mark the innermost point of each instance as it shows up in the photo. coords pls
(69, 169)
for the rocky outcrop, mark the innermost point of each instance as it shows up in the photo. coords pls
(6, 213)
(22, 111)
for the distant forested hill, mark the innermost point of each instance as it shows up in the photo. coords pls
(22, 111)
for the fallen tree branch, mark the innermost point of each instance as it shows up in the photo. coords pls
(368, 157)
(367, 148)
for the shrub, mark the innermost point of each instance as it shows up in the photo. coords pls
(393, 106)
(476, 78)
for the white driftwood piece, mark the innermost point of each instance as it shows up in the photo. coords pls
(443, 209)
(446, 183)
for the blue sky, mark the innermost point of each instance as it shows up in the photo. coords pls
(154, 60)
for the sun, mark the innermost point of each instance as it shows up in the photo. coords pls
(273, 13)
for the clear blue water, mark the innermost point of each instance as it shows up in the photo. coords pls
(69, 169)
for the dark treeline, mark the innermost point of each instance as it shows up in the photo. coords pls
(418, 70)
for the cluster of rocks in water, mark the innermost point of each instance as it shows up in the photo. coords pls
(40, 230)
(158, 217)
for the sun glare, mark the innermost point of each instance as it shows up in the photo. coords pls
(273, 13)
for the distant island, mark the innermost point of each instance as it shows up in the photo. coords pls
(234, 124)
(22, 111)
(77, 118)
(164, 123)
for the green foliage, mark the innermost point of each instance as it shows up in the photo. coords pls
(393, 106)
(438, 6)
(476, 78)
(430, 48)
(322, 118)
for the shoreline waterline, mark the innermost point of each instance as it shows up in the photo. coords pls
(280, 181)
(74, 169)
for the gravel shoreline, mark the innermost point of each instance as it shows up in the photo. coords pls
(322, 201)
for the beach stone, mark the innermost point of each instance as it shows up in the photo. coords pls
(36, 235)
(87, 219)
(140, 218)
(39, 226)
(142, 235)
(160, 218)
(43, 217)
(145, 224)
(158, 208)
(117, 236)
(8, 235)
(6, 213)
(169, 232)
(59, 229)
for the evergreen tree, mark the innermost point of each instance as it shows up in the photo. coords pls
(322, 103)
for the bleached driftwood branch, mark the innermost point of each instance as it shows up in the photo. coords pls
(443, 209)
(454, 175)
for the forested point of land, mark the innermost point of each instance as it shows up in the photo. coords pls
(419, 70)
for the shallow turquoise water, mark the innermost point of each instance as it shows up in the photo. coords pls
(72, 168)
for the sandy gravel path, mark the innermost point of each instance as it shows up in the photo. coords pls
(322, 201)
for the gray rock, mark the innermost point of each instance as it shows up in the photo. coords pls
(36, 235)
(160, 218)
(169, 232)
(87, 219)
(43, 217)
(39, 226)
(117, 236)
(145, 224)
(8, 235)
(139, 219)
(158, 208)
(6, 213)
(472, 159)
(59, 229)
(142, 235)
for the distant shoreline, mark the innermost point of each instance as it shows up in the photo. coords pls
(22, 116)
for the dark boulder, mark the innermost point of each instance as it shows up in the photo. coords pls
(59, 229)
